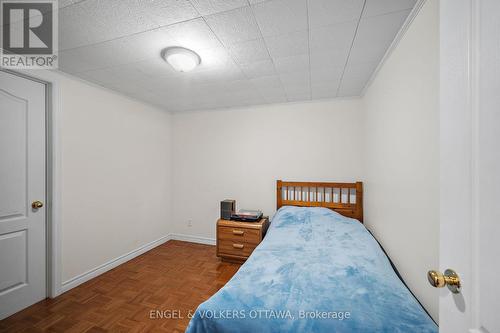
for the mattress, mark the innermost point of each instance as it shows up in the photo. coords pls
(315, 271)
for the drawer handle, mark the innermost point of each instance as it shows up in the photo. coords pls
(238, 232)
(238, 246)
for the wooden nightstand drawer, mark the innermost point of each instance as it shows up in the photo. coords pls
(237, 240)
(236, 248)
(251, 236)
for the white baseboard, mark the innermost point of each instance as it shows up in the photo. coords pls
(84, 277)
(193, 239)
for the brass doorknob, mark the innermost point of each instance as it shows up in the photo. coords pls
(37, 204)
(450, 279)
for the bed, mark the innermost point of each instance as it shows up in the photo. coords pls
(317, 270)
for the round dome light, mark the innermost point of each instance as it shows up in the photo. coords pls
(181, 59)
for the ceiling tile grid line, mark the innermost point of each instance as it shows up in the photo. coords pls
(253, 52)
(267, 48)
(350, 49)
(75, 2)
(283, 29)
(236, 62)
(125, 36)
(369, 48)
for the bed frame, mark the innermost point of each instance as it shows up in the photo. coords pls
(344, 198)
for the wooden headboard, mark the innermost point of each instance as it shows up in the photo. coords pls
(344, 198)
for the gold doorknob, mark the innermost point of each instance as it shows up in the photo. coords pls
(37, 204)
(450, 278)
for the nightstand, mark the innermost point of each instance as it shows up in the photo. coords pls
(237, 240)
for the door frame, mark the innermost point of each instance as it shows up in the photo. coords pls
(52, 176)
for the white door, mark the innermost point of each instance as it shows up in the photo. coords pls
(470, 164)
(22, 182)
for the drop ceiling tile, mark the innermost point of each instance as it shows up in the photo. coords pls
(94, 57)
(278, 17)
(169, 86)
(374, 36)
(296, 63)
(327, 12)
(166, 12)
(131, 16)
(368, 51)
(118, 51)
(216, 58)
(220, 75)
(326, 74)
(207, 7)
(76, 28)
(249, 51)
(351, 88)
(128, 87)
(379, 7)
(240, 94)
(333, 37)
(207, 89)
(238, 85)
(140, 46)
(271, 82)
(194, 34)
(130, 76)
(155, 67)
(119, 18)
(296, 84)
(270, 89)
(297, 90)
(355, 78)
(248, 95)
(330, 59)
(295, 79)
(324, 89)
(100, 76)
(258, 69)
(71, 62)
(234, 26)
(290, 44)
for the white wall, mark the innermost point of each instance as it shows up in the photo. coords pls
(401, 154)
(113, 175)
(240, 153)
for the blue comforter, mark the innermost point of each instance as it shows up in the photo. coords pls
(316, 271)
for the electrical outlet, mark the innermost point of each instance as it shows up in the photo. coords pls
(190, 223)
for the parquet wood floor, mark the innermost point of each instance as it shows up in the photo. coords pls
(173, 279)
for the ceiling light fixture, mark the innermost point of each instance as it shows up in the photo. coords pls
(180, 58)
